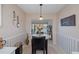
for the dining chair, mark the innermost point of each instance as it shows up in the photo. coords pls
(38, 43)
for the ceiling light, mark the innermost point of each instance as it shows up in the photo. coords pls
(41, 17)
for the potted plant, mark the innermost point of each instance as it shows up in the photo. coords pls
(27, 40)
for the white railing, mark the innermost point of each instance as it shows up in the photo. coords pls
(68, 44)
(12, 40)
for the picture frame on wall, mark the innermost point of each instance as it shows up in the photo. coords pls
(69, 21)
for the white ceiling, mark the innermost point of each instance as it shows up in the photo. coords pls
(47, 8)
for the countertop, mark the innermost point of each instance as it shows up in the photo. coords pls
(7, 50)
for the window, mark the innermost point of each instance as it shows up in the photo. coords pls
(36, 28)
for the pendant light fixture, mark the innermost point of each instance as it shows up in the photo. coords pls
(41, 17)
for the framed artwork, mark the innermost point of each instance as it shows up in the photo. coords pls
(16, 19)
(18, 24)
(69, 21)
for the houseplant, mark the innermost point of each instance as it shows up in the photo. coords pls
(27, 40)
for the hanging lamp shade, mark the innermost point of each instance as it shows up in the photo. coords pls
(41, 17)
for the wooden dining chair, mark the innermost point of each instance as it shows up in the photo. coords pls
(38, 43)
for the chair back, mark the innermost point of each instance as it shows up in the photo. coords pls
(38, 42)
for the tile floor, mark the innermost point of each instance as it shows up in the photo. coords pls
(51, 50)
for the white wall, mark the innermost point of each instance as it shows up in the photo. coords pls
(0, 14)
(8, 30)
(69, 31)
(29, 18)
(72, 31)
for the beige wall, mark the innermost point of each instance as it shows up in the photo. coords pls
(72, 31)
(8, 30)
(29, 18)
(67, 36)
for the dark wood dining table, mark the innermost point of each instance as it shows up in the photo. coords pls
(39, 43)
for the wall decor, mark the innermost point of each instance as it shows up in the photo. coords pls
(14, 16)
(18, 24)
(69, 21)
(16, 20)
